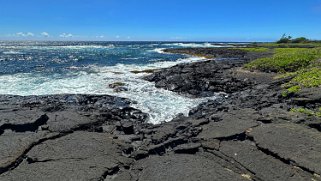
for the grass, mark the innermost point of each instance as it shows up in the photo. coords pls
(308, 112)
(289, 45)
(286, 60)
(254, 49)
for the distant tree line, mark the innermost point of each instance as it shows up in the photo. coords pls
(289, 39)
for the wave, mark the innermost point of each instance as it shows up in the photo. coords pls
(158, 50)
(71, 47)
(195, 45)
(12, 52)
(160, 104)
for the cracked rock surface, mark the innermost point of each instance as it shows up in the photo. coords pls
(247, 135)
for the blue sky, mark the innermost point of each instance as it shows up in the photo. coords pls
(173, 20)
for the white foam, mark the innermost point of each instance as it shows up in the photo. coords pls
(12, 52)
(159, 50)
(195, 45)
(71, 47)
(160, 104)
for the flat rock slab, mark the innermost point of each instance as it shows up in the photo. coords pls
(292, 142)
(77, 156)
(13, 146)
(183, 167)
(21, 116)
(232, 123)
(262, 165)
(64, 121)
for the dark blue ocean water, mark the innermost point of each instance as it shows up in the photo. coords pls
(54, 57)
(41, 68)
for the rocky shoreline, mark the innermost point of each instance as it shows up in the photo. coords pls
(248, 134)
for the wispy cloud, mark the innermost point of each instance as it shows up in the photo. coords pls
(117, 36)
(22, 34)
(45, 34)
(100, 36)
(66, 35)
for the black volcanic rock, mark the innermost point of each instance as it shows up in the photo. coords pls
(202, 79)
(248, 133)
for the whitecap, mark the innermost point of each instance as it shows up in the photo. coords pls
(12, 52)
(196, 45)
(160, 104)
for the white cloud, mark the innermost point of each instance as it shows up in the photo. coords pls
(30, 34)
(101, 36)
(66, 35)
(21, 34)
(128, 37)
(117, 36)
(45, 34)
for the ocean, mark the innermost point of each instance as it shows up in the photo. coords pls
(44, 68)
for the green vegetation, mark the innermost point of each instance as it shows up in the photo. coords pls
(308, 112)
(285, 39)
(288, 42)
(254, 49)
(286, 60)
(305, 78)
(302, 64)
(308, 78)
(288, 45)
(288, 39)
(291, 90)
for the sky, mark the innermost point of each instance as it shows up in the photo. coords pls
(159, 20)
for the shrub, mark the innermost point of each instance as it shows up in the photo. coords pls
(284, 39)
(308, 78)
(300, 40)
(286, 59)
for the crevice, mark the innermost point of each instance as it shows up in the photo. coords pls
(315, 126)
(233, 162)
(23, 156)
(160, 149)
(110, 173)
(276, 156)
(236, 137)
(33, 127)
(31, 161)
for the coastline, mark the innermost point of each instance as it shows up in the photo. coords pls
(248, 135)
